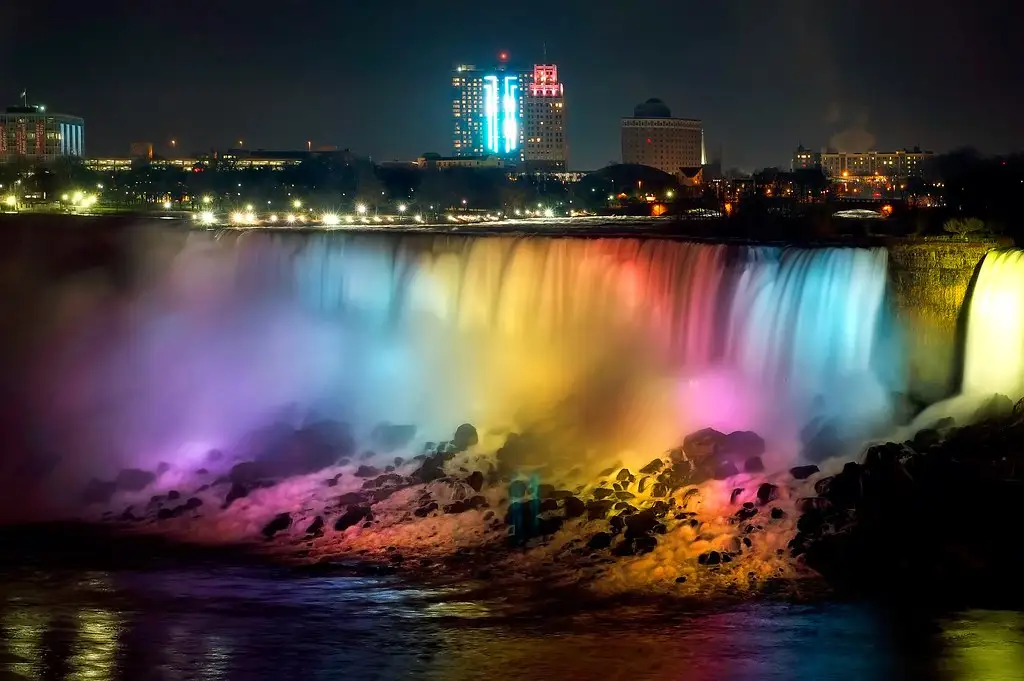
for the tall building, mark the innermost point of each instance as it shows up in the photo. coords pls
(30, 132)
(652, 137)
(546, 149)
(804, 159)
(487, 110)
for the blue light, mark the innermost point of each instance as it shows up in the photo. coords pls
(491, 113)
(501, 114)
(511, 117)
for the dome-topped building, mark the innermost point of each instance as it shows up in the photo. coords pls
(652, 137)
(652, 108)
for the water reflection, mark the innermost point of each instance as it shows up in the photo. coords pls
(227, 624)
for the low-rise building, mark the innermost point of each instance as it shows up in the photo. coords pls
(31, 133)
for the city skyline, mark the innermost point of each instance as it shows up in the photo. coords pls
(761, 78)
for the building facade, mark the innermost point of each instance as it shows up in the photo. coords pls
(652, 137)
(487, 110)
(437, 162)
(546, 148)
(902, 163)
(31, 133)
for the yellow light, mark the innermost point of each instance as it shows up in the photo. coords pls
(206, 217)
(331, 219)
(402, 208)
(273, 218)
(167, 205)
(418, 218)
(361, 209)
(237, 218)
(290, 218)
(296, 204)
(670, 193)
(11, 200)
(207, 200)
(76, 197)
(64, 197)
(248, 207)
(349, 219)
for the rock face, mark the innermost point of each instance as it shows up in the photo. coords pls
(934, 522)
(465, 437)
(281, 522)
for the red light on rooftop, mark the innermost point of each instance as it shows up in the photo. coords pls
(503, 57)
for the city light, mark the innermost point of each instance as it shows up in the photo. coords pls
(361, 209)
(77, 197)
(64, 197)
(331, 219)
(349, 219)
(207, 218)
(11, 200)
(296, 204)
(248, 207)
(291, 218)
(207, 200)
(402, 208)
(167, 205)
(669, 194)
(238, 218)
(549, 213)
(273, 218)
(418, 218)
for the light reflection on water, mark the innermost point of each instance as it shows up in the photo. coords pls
(231, 623)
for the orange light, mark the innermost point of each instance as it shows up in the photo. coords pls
(728, 209)
(887, 210)
(658, 209)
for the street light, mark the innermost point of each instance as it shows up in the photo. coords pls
(361, 209)
(296, 204)
(402, 208)
(167, 205)
(207, 200)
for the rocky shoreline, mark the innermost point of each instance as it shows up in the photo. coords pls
(704, 518)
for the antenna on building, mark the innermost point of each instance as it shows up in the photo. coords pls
(24, 98)
(545, 46)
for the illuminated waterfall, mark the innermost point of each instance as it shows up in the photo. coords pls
(626, 344)
(994, 357)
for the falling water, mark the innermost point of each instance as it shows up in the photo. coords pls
(994, 358)
(623, 344)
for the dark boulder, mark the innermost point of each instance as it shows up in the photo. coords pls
(280, 523)
(778, 513)
(193, 503)
(598, 509)
(424, 511)
(316, 527)
(573, 507)
(640, 523)
(709, 558)
(476, 481)
(174, 495)
(703, 444)
(624, 475)
(995, 407)
(517, 489)
(625, 495)
(387, 437)
(599, 541)
(367, 472)
(237, 491)
(387, 479)
(803, 472)
(548, 505)
(134, 480)
(740, 446)
(602, 493)
(642, 485)
(353, 516)
(735, 493)
(477, 502)
(98, 492)
(753, 465)
(351, 498)
(559, 494)
(545, 491)
(165, 514)
(725, 470)
(659, 491)
(767, 493)
(455, 507)
(465, 437)
(653, 468)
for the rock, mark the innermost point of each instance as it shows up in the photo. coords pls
(98, 492)
(822, 486)
(996, 407)
(476, 481)
(545, 491)
(653, 467)
(424, 511)
(745, 513)
(680, 580)
(246, 472)
(517, 489)
(389, 469)
(477, 502)
(753, 465)
(387, 437)
(598, 510)
(202, 488)
(353, 516)
(778, 514)
(560, 494)
(735, 493)
(367, 472)
(642, 485)
(703, 444)
(548, 505)
(165, 514)
(767, 493)
(573, 507)
(640, 523)
(624, 475)
(455, 508)
(625, 495)
(237, 491)
(352, 498)
(134, 480)
(809, 504)
(465, 437)
(174, 495)
(280, 523)
(193, 503)
(602, 493)
(331, 482)
(616, 487)
(925, 438)
(709, 558)
(741, 445)
(156, 499)
(599, 541)
(803, 472)
(387, 479)
(725, 470)
(659, 491)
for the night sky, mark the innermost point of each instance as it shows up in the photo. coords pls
(373, 75)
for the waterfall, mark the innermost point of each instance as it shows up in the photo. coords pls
(994, 352)
(624, 343)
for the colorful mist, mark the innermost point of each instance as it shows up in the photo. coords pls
(615, 347)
